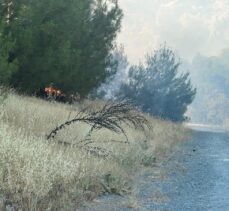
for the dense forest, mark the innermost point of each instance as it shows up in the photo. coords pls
(68, 43)
(72, 44)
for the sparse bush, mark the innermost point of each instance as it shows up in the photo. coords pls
(148, 160)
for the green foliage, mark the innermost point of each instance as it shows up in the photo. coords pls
(68, 43)
(148, 160)
(7, 68)
(158, 88)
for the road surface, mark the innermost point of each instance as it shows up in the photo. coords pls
(197, 179)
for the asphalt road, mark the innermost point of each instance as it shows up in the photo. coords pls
(197, 179)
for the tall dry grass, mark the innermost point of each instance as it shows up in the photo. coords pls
(36, 174)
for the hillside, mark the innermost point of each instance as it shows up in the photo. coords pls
(37, 174)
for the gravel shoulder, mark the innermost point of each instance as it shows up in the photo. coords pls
(194, 178)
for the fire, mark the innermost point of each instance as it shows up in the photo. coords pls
(51, 91)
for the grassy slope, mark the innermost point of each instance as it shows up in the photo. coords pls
(39, 175)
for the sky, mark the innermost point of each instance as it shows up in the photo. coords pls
(190, 27)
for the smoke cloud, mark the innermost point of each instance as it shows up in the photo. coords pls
(190, 27)
(211, 77)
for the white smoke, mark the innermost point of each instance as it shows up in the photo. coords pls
(211, 77)
(187, 26)
(110, 89)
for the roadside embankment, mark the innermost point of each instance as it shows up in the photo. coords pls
(36, 174)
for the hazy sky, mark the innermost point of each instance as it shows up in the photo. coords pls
(188, 26)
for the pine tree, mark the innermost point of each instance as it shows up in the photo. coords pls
(67, 43)
(7, 67)
(158, 87)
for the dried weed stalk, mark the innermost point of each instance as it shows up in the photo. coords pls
(110, 116)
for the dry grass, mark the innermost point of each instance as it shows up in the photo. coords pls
(36, 174)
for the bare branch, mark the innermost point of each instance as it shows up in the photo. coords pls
(110, 117)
